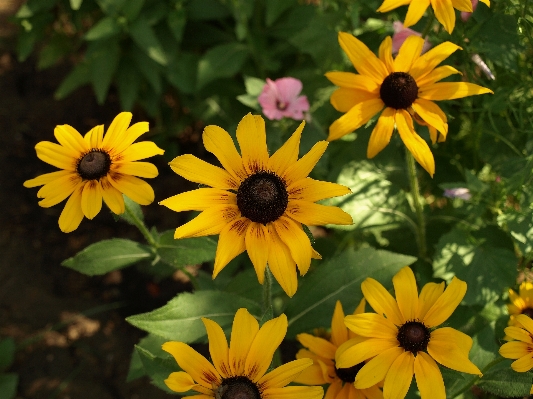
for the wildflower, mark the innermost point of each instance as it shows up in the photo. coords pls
(95, 167)
(323, 352)
(403, 339)
(459, 192)
(522, 346)
(521, 303)
(257, 203)
(401, 33)
(403, 88)
(444, 10)
(238, 371)
(280, 99)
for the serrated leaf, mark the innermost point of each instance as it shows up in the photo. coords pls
(107, 255)
(221, 61)
(104, 28)
(180, 319)
(185, 251)
(151, 343)
(157, 368)
(79, 76)
(143, 35)
(7, 353)
(8, 385)
(339, 279)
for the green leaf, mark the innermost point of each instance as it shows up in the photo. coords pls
(128, 83)
(131, 12)
(206, 10)
(185, 251)
(53, 51)
(520, 226)
(339, 279)
(8, 385)
(104, 28)
(103, 57)
(111, 7)
(75, 4)
(180, 319)
(181, 72)
(157, 368)
(133, 211)
(151, 343)
(143, 35)
(221, 61)
(254, 86)
(7, 353)
(276, 8)
(148, 68)
(501, 380)
(107, 255)
(79, 76)
(485, 267)
(176, 21)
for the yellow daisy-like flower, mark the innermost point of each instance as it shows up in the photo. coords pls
(522, 348)
(238, 371)
(521, 303)
(404, 88)
(402, 338)
(323, 370)
(257, 203)
(444, 10)
(95, 167)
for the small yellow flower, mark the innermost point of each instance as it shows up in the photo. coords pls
(238, 371)
(402, 338)
(256, 202)
(522, 348)
(323, 351)
(95, 167)
(402, 89)
(444, 10)
(521, 303)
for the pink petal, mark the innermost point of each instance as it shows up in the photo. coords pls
(401, 33)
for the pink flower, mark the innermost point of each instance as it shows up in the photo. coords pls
(280, 98)
(459, 192)
(401, 33)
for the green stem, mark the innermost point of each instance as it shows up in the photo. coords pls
(429, 24)
(419, 208)
(142, 227)
(267, 291)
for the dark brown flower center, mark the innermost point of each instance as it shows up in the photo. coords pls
(413, 336)
(528, 312)
(94, 165)
(398, 90)
(239, 387)
(262, 197)
(348, 374)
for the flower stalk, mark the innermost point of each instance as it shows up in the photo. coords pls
(418, 205)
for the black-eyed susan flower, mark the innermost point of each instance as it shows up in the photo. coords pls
(521, 345)
(401, 89)
(95, 167)
(322, 351)
(444, 10)
(402, 338)
(521, 303)
(257, 203)
(238, 371)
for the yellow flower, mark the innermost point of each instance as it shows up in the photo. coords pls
(323, 370)
(404, 86)
(257, 203)
(406, 342)
(521, 303)
(95, 167)
(444, 10)
(521, 349)
(238, 371)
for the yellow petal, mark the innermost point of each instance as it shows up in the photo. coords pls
(199, 199)
(257, 243)
(209, 222)
(428, 296)
(372, 393)
(318, 345)
(381, 301)
(300, 169)
(436, 74)
(136, 189)
(344, 99)
(445, 14)
(523, 364)
(131, 134)
(72, 215)
(94, 137)
(356, 117)
(399, 377)
(389, 5)
(116, 131)
(91, 199)
(194, 364)
(362, 351)
(57, 190)
(382, 132)
(414, 143)
(218, 142)
(230, 243)
(451, 90)
(487, 2)
(519, 334)
(312, 375)
(409, 51)
(265, 343)
(312, 214)
(428, 377)
(243, 332)
(281, 264)
(56, 155)
(70, 138)
(251, 135)
(137, 151)
(364, 60)
(315, 190)
(198, 171)
(515, 349)
(47, 178)
(526, 322)
(218, 347)
(446, 303)
(463, 5)
(416, 10)
(139, 169)
(283, 375)
(112, 197)
(353, 81)
(406, 293)
(287, 154)
(293, 236)
(431, 114)
(339, 333)
(180, 381)
(333, 390)
(293, 393)
(377, 368)
(429, 60)
(371, 325)
(385, 53)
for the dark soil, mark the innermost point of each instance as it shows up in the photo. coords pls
(86, 356)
